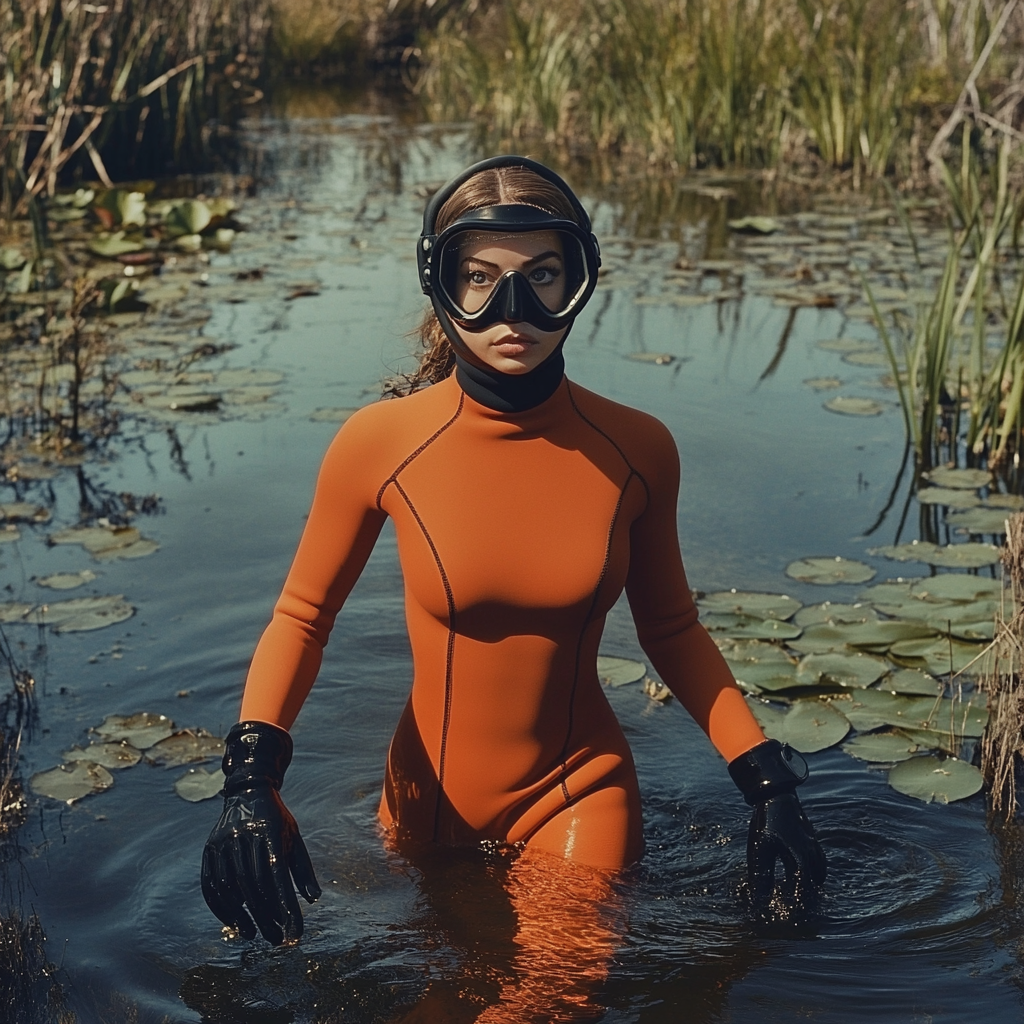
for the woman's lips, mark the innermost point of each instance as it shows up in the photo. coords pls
(514, 344)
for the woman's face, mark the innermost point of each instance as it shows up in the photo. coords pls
(483, 259)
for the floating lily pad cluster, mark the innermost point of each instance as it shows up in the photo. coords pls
(123, 741)
(874, 672)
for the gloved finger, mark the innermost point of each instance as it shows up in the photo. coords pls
(276, 878)
(761, 873)
(252, 864)
(301, 868)
(793, 882)
(818, 865)
(221, 892)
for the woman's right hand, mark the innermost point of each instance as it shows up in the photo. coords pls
(255, 851)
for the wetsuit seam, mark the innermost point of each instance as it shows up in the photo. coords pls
(393, 478)
(611, 440)
(450, 654)
(586, 623)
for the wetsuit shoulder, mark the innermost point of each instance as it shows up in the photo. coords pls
(644, 441)
(378, 437)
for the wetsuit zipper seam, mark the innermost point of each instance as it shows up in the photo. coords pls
(593, 426)
(393, 478)
(586, 623)
(450, 654)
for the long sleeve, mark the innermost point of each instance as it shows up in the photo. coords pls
(343, 525)
(677, 644)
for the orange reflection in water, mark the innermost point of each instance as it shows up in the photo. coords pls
(536, 946)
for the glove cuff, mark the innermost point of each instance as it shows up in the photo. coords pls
(767, 770)
(255, 753)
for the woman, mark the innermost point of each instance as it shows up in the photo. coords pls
(523, 505)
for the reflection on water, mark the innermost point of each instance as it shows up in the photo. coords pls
(920, 917)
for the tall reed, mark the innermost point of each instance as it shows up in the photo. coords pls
(941, 359)
(119, 89)
(682, 83)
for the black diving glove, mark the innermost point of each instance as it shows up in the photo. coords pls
(255, 850)
(767, 776)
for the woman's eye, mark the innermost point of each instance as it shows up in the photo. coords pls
(477, 277)
(544, 275)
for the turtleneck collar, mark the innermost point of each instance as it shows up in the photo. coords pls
(506, 392)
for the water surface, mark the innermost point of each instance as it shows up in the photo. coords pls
(920, 916)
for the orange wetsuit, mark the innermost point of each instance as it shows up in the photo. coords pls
(517, 533)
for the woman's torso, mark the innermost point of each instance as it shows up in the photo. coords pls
(513, 534)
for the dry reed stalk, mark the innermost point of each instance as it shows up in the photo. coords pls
(1002, 746)
(129, 85)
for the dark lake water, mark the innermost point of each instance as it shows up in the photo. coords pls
(921, 916)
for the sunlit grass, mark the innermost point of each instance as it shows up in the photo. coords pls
(943, 361)
(683, 83)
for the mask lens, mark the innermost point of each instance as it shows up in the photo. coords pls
(473, 262)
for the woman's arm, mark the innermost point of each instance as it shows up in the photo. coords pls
(679, 647)
(343, 525)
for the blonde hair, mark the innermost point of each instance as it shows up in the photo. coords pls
(495, 186)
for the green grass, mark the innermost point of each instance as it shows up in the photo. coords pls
(684, 83)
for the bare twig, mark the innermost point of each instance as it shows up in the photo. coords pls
(969, 92)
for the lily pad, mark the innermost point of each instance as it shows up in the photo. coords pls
(620, 671)
(745, 626)
(844, 345)
(752, 651)
(854, 406)
(188, 217)
(1012, 501)
(326, 415)
(766, 676)
(107, 542)
(9, 534)
(880, 747)
(23, 511)
(866, 357)
(14, 611)
(856, 670)
(948, 497)
(951, 556)
(69, 784)
(756, 605)
(184, 747)
(911, 682)
(658, 358)
(931, 778)
(956, 587)
(755, 225)
(808, 726)
(941, 656)
(109, 755)
(142, 730)
(832, 614)
(826, 571)
(81, 614)
(960, 479)
(67, 580)
(978, 520)
(198, 784)
(823, 383)
(114, 244)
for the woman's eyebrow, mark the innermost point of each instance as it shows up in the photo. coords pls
(529, 263)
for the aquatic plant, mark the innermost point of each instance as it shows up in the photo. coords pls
(116, 90)
(717, 82)
(1002, 747)
(942, 358)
